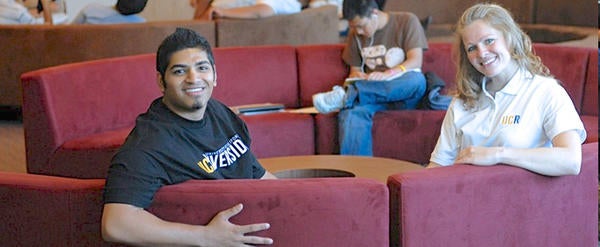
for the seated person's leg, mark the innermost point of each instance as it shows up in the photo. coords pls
(355, 126)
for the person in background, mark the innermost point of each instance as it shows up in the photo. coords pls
(29, 12)
(185, 134)
(124, 11)
(385, 54)
(244, 9)
(509, 109)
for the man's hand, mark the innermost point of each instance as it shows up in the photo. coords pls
(382, 76)
(129, 224)
(224, 233)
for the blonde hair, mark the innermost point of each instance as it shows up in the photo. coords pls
(468, 79)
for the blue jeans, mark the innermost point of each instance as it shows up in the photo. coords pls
(365, 98)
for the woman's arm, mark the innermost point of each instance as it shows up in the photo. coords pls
(564, 158)
(125, 223)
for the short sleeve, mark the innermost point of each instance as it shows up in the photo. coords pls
(447, 146)
(561, 114)
(133, 178)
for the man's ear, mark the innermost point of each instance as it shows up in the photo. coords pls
(214, 75)
(160, 82)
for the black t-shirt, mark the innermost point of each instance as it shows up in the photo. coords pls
(165, 149)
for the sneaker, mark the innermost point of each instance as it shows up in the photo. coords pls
(329, 101)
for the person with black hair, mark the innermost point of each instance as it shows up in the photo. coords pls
(124, 11)
(385, 53)
(184, 135)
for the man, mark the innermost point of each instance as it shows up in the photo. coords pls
(124, 11)
(385, 54)
(185, 134)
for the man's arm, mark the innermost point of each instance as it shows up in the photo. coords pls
(125, 223)
(250, 12)
(414, 60)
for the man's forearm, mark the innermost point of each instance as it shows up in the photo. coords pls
(127, 224)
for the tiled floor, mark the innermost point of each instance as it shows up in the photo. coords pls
(12, 143)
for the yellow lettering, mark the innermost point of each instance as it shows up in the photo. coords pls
(206, 166)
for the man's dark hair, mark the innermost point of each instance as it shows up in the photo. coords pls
(360, 8)
(182, 38)
(130, 7)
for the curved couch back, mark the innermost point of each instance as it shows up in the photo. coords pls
(56, 211)
(571, 12)
(73, 111)
(31, 47)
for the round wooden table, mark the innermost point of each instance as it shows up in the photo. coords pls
(304, 166)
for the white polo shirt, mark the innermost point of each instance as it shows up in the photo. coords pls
(527, 113)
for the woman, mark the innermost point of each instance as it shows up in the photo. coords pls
(509, 109)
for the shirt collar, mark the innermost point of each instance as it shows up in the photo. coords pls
(515, 83)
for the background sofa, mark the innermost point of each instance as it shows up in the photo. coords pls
(561, 21)
(32, 47)
(560, 12)
(76, 115)
(412, 135)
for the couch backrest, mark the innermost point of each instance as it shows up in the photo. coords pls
(495, 206)
(31, 47)
(320, 67)
(590, 97)
(79, 99)
(310, 26)
(55, 211)
(571, 66)
(575, 67)
(449, 11)
(563, 12)
(257, 74)
(302, 212)
(50, 211)
(438, 59)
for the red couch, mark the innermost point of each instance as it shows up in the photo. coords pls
(465, 205)
(80, 113)
(76, 115)
(38, 210)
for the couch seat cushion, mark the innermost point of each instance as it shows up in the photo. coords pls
(87, 157)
